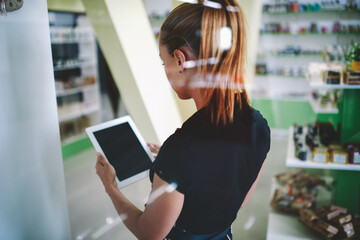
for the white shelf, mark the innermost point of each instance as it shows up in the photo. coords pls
(318, 109)
(285, 227)
(333, 86)
(292, 161)
(279, 76)
(74, 66)
(73, 41)
(83, 112)
(75, 90)
(281, 98)
(282, 226)
(270, 55)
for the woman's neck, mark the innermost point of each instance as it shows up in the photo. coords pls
(198, 99)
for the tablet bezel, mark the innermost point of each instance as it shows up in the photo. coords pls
(126, 119)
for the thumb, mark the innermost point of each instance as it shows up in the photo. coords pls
(101, 158)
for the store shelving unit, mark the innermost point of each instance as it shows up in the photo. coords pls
(298, 56)
(295, 23)
(292, 161)
(322, 86)
(283, 227)
(332, 86)
(61, 93)
(279, 76)
(74, 65)
(82, 111)
(318, 109)
(310, 34)
(326, 11)
(347, 176)
(76, 74)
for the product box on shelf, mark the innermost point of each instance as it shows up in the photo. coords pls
(352, 77)
(321, 154)
(297, 191)
(354, 153)
(331, 222)
(319, 143)
(328, 73)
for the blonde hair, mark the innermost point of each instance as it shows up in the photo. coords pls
(198, 27)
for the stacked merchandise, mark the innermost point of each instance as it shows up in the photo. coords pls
(297, 192)
(312, 28)
(332, 73)
(322, 140)
(327, 99)
(293, 6)
(331, 222)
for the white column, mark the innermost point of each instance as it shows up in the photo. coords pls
(33, 201)
(125, 37)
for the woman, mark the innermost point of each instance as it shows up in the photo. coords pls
(213, 161)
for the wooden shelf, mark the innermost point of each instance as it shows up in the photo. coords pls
(292, 161)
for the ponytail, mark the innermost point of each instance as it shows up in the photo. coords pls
(222, 44)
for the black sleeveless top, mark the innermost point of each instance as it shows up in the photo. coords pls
(214, 167)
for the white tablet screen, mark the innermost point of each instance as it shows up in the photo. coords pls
(123, 150)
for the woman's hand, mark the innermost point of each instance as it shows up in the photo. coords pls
(154, 148)
(106, 172)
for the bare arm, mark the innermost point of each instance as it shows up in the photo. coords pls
(253, 186)
(160, 214)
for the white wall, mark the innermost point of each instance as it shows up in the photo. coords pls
(32, 186)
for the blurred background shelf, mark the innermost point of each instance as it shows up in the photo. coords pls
(79, 113)
(321, 110)
(292, 161)
(337, 11)
(66, 92)
(314, 85)
(310, 34)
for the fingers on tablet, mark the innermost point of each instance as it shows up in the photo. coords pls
(101, 159)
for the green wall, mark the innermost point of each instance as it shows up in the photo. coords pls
(282, 114)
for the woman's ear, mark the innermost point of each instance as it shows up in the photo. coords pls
(180, 58)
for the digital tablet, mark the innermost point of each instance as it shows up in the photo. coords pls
(123, 147)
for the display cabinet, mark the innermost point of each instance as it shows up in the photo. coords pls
(294, 34)
(76, 74)
(290, 40)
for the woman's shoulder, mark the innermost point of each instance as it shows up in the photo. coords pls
(261, 130)
(176, 144)
(258, 117)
